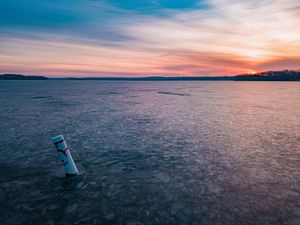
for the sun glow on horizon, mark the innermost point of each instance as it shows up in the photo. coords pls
(253, 72)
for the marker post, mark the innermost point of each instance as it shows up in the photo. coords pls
(64, 154)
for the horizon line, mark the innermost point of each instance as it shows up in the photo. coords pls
(151, 76)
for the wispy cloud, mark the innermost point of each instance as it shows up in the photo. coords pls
(231, 35)
(100, 39)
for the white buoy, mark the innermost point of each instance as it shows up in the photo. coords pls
(65, 155)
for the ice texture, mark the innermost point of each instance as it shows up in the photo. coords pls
(185, 153)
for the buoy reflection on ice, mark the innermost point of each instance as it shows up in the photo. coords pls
(65, 155)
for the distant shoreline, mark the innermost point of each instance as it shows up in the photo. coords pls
(21, 77)
(285, 75)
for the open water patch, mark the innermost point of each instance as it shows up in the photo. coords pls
(173, 93)
(40, 97)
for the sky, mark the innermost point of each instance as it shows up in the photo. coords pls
(135, 38)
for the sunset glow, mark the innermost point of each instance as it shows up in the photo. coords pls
(191, 38)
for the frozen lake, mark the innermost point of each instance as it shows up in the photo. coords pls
(165, 153)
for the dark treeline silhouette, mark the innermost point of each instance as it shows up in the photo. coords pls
(21, 77)
(151, 78)
(284, 75)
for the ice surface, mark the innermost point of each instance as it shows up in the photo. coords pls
(224, 153)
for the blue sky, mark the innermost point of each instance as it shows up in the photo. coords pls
(93, 19)
(51, 13)
(155, 6)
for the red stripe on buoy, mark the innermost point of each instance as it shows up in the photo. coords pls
(63, 151)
